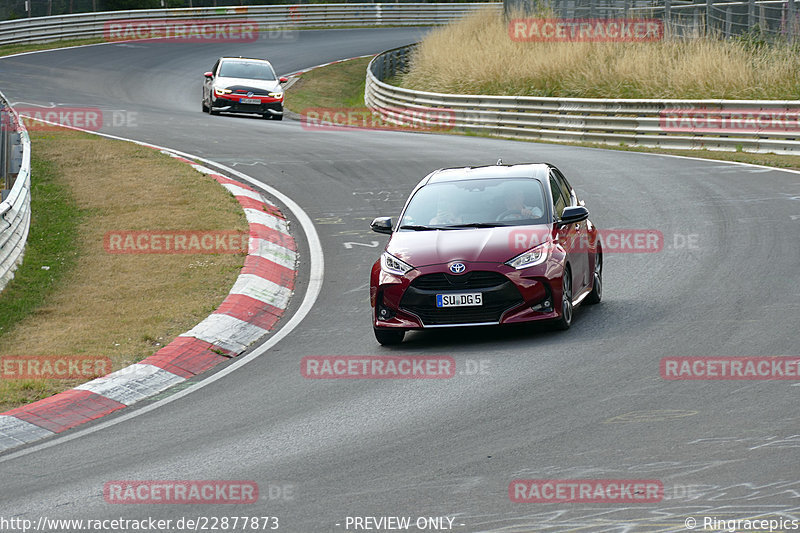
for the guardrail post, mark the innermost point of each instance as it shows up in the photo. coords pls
(709, 7)
(728, 21)
(790, 22)
(751, 13)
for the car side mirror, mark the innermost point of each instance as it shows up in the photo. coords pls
(573, 214)
(283, 79)
(209, 74)
(382, 225)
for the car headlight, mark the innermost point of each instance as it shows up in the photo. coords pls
(534, 256)
(276, 95)
(392, 265)
(222, 91)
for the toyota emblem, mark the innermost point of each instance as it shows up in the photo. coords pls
(457, 268)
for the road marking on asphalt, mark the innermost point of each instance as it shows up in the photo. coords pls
(371, 244)
(658, 415)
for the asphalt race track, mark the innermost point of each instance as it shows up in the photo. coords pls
(584, 404)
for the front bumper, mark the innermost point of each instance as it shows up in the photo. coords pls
(232, 104)
(509, 296)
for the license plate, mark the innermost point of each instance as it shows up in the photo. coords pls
(250, 101)
(459, 300)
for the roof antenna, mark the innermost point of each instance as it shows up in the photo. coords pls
(499, 162)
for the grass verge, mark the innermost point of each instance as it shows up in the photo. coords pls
(10, 49)
(341, 85)
(90, 302)
(477, 55)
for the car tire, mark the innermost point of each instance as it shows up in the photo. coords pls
(564, 321)
(205, 107)
(597, 280)
(389, 337)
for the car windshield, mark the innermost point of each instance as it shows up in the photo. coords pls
(476, 203)
(247, 69)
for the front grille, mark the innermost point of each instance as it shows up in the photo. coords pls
(499, 295)
(245, 90)
(442, 281)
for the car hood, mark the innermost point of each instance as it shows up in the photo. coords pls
(264, 85)
(496, 245)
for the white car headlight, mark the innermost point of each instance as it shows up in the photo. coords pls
(276, 95)
(392, 265)
(222, 91)
(534, 256)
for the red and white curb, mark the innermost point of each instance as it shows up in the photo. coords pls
(255, 303)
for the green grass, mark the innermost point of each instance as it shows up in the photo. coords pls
(342, 85)
(51, 243)
(10, 49)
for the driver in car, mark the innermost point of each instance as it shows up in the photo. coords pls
(447, 213)
(515, 208)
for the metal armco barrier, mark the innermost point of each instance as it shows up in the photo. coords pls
(15, 207)
(752, 125)
(92, 25)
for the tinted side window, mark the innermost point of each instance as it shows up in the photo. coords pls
(214, 68)
(564, 186)
(559, 203)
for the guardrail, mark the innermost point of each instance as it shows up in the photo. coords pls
(15, 182)
(746, 125)
(92, 25)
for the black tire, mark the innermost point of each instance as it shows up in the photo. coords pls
(597, 280)
(205, 107)
(277, 117)
(389, 337)
(565, 320)
(211, 109)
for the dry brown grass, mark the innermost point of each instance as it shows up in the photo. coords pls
(477, 56)
(125, 306)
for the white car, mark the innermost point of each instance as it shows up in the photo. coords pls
(243, 85)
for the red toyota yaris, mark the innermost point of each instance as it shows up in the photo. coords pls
(485, 245)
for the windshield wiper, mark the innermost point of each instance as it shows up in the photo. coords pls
(478, 225)
(418, 228)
